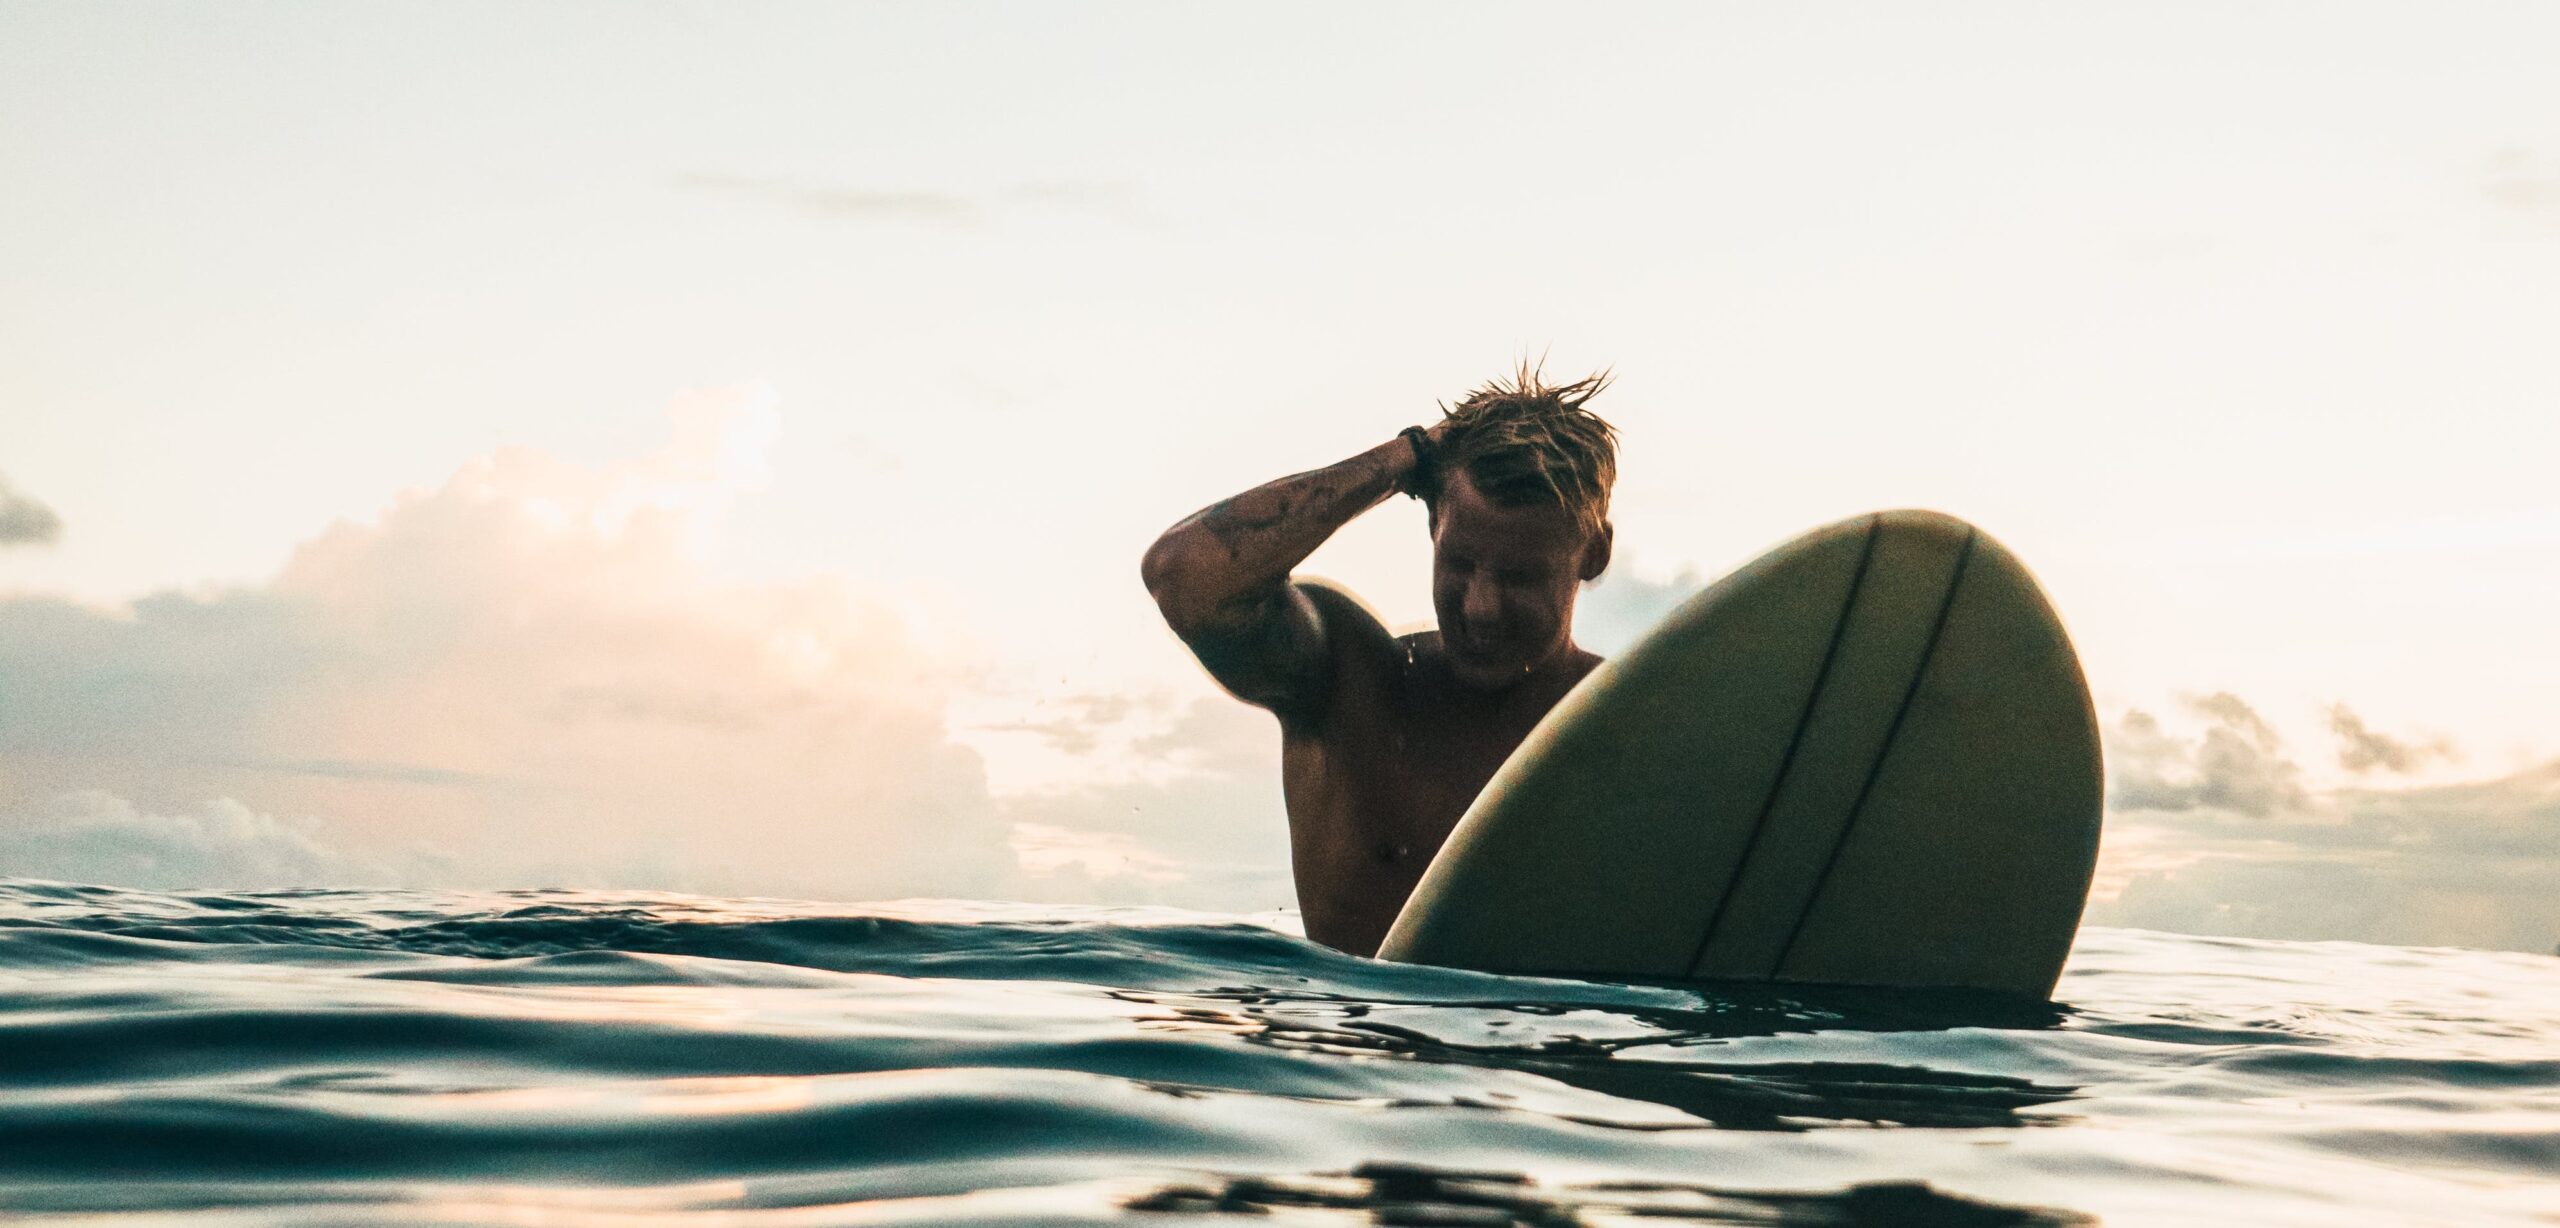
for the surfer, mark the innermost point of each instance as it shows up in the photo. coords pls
(1385, 740)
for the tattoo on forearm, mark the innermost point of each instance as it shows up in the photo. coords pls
(1234, 521)
(1258, 637)
(1330, 494)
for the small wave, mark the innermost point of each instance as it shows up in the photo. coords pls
(354, 1056)
(1408, 1194)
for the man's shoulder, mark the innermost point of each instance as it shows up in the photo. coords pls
(1348, 621)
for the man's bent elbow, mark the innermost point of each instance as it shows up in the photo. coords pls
(1166, 570)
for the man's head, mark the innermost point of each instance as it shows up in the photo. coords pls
(1519, 519)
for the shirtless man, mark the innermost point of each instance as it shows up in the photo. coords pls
(1385, 741)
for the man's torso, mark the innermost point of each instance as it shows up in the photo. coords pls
(1376, 780)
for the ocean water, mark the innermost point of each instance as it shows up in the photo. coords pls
(580, 1058)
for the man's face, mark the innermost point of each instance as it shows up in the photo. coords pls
(1503, 580)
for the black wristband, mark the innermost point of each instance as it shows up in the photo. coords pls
(1425, 460)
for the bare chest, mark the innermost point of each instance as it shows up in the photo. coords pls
(1372, 800)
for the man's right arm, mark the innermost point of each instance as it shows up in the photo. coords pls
(1221, 577)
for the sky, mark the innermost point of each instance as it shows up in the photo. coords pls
(710, 446)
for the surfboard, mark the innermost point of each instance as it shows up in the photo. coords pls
(1867, 758)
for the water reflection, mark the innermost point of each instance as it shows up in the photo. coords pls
(1408, 1194)
(1641, 1053)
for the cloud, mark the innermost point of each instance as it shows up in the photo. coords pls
(942, 208)
(1203, 827)
(2361, 750)
(2524, 183)
(2449, 865)
(1076, 724)
(25, 522)
(1622, 605)
(531, 671)
(932, 208)
(2213, 831)
(2235, 766)
(96, 837)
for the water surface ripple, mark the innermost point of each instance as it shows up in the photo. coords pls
(562, 1057)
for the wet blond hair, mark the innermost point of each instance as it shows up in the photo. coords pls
(1526, 443)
